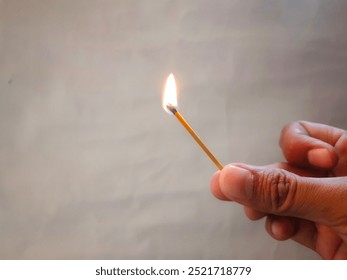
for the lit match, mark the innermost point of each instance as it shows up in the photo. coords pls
(170, 106)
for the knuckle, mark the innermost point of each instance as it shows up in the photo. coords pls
(286, 141)
(284, 132)
(276, 188)
(287, 127)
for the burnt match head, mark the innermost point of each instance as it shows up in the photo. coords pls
(171, 108)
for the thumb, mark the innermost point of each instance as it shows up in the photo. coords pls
(279, 192)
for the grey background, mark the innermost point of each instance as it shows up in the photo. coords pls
(90, 164)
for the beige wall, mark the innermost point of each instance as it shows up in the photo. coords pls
(91, 166)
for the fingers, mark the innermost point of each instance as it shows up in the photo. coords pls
(280, 228)
(253, 214)
(316, 237)
(324, 240)
(310, 144)
(309, 211)
(283, 228)
(214, 183)
(278, 192)
(326, 133)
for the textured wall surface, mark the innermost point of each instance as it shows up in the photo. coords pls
(92, 167)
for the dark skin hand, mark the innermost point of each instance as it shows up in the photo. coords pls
(304, 199)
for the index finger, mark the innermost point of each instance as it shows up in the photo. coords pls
(310, 144)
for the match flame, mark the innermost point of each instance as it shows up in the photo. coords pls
(170, 93)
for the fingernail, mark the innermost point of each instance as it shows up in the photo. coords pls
(236, 183)
(320, 157)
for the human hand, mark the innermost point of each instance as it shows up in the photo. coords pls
(304, 199)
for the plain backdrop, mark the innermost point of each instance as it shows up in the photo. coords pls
(91, 167)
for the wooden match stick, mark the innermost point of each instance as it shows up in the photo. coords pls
(194, 135)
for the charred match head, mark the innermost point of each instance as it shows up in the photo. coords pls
(171, 108)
